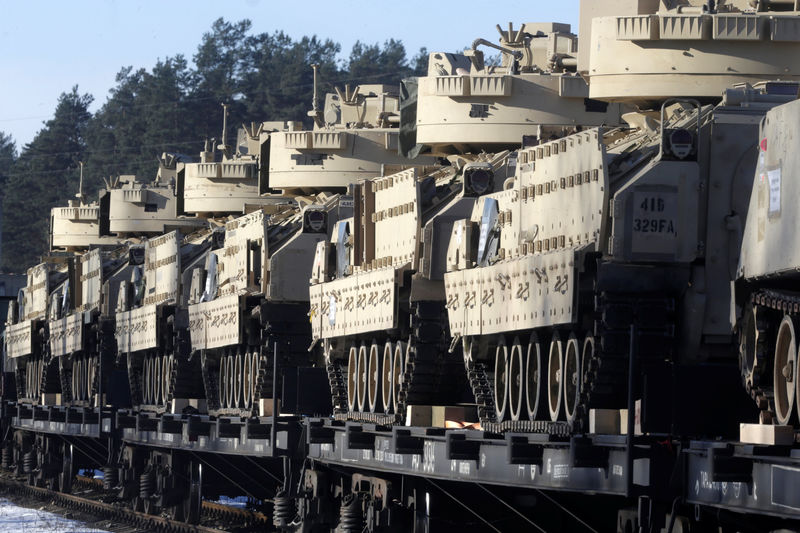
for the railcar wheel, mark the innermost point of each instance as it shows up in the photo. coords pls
(398, 367)
(193, 502)
(501, 379)
(571, 377)
(361, 386)
(352, 378)
(67, 472)
(386, 377)
(783, 375)
(555, 381)
(516, 381)
(374, 377)
(534, 386)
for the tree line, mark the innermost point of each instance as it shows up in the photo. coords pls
(173, 107)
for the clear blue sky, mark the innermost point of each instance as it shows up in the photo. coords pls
(49, 46)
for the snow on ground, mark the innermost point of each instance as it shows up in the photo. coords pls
(15, 519)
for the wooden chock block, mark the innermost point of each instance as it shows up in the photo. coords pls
(266, 406)
(419, 415)
(51, 398)
(177, 405)
(604, 421)
(766, 434)
(441, 414)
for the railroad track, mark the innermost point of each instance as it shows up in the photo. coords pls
(240, 520)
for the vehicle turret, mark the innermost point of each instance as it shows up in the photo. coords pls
(355, 136)
(127, 207)
(649, 50)
(465, 103)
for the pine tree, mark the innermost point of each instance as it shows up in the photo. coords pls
(373, 64)
(44, 176)
(173, 107)
(8, 154)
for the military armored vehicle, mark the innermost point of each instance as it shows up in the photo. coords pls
(377, 292)
(237, 296)
(60, 322)
(636, 227)
(103, 236)
(766, 289)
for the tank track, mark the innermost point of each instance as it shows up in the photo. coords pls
(482, 390)
(185, 370)
(286, 327)
(759, 385)
(432, 376)
(606, 374)
(266, 369)
(50, 378)
(134, 382)
(337, 382)
(183, 379)
(431, 373)
(210, 379)
(106, 348)
(19, 382)
(65, 376)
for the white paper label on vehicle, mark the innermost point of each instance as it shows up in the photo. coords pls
(774, 180)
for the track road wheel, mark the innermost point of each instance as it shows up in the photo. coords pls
(398, 367)
(374, 378)
(352, 379)
(386, 377)
(361, 386)
(534, 382)
(238, 376)
(188, 510)
(572, 377)
(67, 471)
(516, 381)
(783, 376)
(501, 379)
(555, 372)
(753, 348)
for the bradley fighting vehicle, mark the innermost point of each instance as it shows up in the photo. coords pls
(158, 280)
(766, 290)
(213, 308)
(60, 345)
(637, 228)
(377, 292)
(55, 323)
